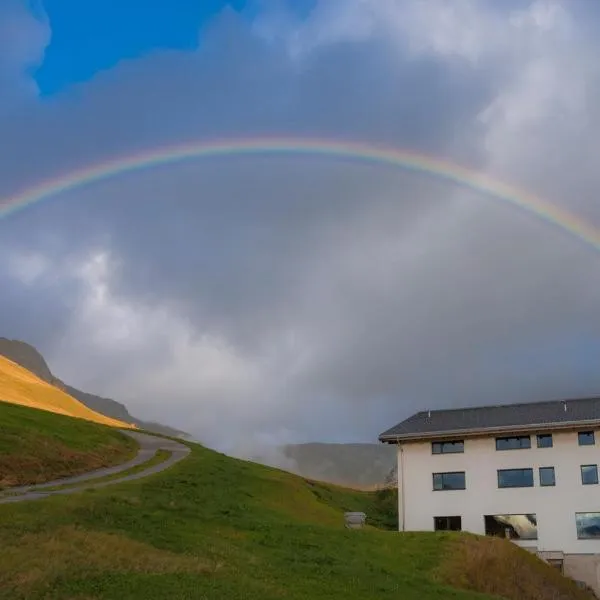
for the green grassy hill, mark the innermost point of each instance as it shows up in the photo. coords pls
(219, 528)
(38, 446)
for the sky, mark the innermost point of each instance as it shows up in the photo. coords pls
(257, 300)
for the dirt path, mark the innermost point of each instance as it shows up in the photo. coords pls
(148, 446)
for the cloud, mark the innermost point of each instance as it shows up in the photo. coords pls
(469, 30)
(255, 300)
(24, 36)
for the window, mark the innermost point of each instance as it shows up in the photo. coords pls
(447, 523)
(515, 527)
(544, 440)
(511, 478)
(513, 443)
(588, 525)
(589, 474)
(547, 477)
(586, 438)
(449, 481)
(454, 447)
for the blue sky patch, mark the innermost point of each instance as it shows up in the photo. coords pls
(88, 37)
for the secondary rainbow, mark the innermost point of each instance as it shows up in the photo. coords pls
(346, 150)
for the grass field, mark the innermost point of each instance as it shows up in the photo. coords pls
(213, 527)
(20, 386)
(38, 446)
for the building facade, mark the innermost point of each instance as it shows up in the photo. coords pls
(529, 472)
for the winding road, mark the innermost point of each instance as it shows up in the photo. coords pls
(148, 447)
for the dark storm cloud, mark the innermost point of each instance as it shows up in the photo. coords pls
(302, 298)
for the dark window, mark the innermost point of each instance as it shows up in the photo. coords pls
(449, 481)
(513, 443)
(589, 474)
(454, 447)
(544, 440)
(586, 438)
(515, 527)
(588, 525)
(547, 477)
(510, 478)
(447, 523)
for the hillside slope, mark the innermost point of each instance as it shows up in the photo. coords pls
(29, 357)
(116, 410)
(216, 527)
(20, 386)
(38, 446)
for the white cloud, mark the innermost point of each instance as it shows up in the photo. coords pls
(202, 372)
(24, 36)
(539, 65)
(466, 29)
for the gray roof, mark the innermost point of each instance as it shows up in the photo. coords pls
(429, 424)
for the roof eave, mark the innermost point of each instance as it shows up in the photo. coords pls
(394, 438)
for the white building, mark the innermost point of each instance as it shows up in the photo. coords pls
(524, 471)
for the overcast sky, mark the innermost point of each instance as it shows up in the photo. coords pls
(254, 300)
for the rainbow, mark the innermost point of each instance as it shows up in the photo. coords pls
(346, 150)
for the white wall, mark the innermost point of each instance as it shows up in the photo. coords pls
(555, 507)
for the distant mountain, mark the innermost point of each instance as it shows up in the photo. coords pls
(116, 410)
(19, 385)
(31, 359)
(353, 465)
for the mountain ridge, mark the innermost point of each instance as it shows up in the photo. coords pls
(20, 386)
(30, 358)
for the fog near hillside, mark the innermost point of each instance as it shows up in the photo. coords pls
(355, 465)
(273, 456)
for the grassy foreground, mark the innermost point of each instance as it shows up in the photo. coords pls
(38, 446)
(213, 527)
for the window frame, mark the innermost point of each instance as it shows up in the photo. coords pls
(514, 437)
(442, 443)
(509, 487)
(581, 472)
(553, 484)
(585, 433)
(544, 435)
(445, 489)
